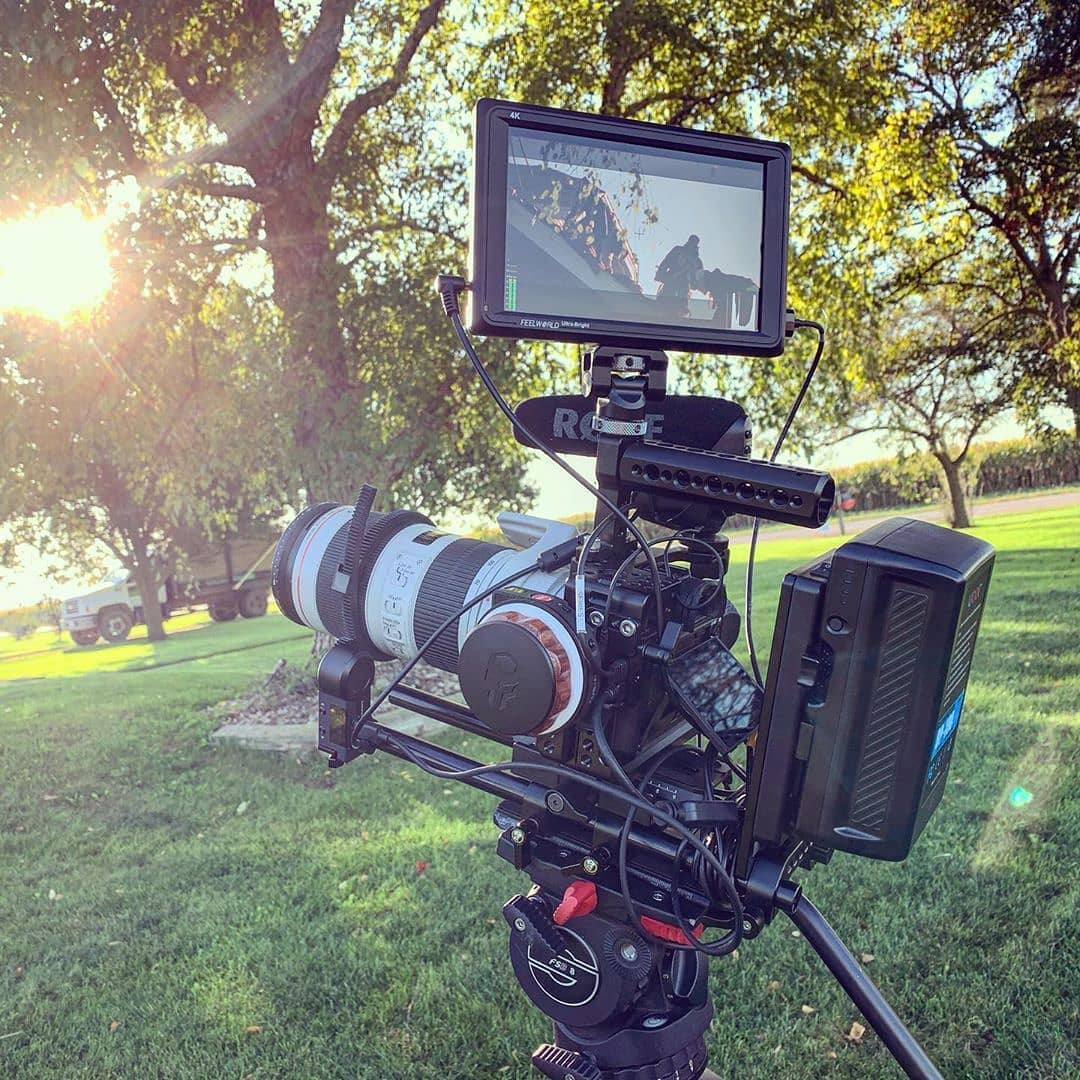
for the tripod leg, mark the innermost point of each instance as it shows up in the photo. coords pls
(845, 968)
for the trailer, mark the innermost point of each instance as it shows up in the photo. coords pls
(229, 580)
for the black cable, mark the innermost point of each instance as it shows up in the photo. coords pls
(687, 537)
(591, 539)
(719, 947)
(608, 755)
(450, 306)
(586, 548)
(668, 540)
(749, 601)
(725, 755)
(685, 924)
(624, 843)
(579, 577)
(710, 771)
(684, 535)
(624, 565)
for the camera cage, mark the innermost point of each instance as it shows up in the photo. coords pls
(497, 122)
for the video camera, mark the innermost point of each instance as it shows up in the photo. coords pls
(654, 788)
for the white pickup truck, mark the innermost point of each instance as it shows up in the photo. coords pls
(227, 580)
(108, 610)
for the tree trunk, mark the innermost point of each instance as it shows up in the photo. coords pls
(148, 580)
(308, 281)
(960, 518)
(1061, 331)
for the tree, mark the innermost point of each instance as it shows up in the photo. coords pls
(302, 135)
(940, 378)
(123, 434)
(987, 106)
(52, 608)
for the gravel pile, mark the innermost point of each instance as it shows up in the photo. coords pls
(288, 695)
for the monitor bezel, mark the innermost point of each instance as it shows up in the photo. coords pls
(493, 121)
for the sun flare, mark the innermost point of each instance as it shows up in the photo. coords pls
(53, 264)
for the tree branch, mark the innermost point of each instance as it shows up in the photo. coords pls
(105, 103)
(249, 192)
(324, 39)
(307, 80)
(976, 427)
(376, 96)
(851, 432)
(264, 15)
(211, 153)
(998, 221)
(818, 180)
(221, 106)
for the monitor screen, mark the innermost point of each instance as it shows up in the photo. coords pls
(615, 232)
(633, 234)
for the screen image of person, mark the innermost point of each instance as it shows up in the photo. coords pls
(602, 231)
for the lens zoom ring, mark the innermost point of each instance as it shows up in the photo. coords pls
(381, 527)
(443, 592)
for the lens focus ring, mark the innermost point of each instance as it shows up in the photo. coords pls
(283, 565)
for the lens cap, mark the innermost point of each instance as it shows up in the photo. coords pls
(507, 677)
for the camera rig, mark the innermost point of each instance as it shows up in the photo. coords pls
(654, 791)
(612, 688)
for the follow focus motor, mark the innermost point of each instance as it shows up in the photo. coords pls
(654, 789)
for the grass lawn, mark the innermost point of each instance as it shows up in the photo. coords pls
(172, 909)
(44, 655)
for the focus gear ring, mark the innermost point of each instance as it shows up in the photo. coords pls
(352, 603)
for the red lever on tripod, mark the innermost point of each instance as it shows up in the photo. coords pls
(579, 899)
(667, 932)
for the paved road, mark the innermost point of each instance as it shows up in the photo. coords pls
(1009, 504)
